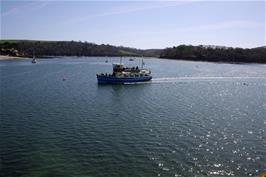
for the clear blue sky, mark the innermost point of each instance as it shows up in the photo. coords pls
(150, 24)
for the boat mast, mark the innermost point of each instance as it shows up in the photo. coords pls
(142, 63)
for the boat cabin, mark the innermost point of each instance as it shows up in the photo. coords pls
(118, 68)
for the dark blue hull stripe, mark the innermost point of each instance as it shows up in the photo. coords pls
(110, 79)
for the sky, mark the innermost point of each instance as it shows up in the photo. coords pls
(138, 24)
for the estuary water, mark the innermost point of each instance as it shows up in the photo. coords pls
(193, 119)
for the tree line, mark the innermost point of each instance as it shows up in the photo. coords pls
(215, 54)
(28, 48)
(63, 48)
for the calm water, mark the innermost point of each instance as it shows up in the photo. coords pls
(193, 119)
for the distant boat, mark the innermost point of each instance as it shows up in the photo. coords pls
(123, 74)
(33, 60)
(106, 61)
(131, 59)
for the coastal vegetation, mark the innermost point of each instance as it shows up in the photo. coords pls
(28, 48)
(215, 54)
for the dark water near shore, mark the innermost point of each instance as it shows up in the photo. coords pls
(193, 119)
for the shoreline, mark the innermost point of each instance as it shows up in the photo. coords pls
(6, 57)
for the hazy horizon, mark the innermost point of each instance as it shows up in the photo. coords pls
(142, 25)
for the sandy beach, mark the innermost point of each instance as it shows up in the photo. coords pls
(5, 57)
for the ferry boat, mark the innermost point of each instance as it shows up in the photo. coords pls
(123, 74)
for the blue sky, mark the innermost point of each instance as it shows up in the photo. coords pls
(139, 24)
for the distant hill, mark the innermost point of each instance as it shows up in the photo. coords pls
(215, 54)
(28, 48)
(262, 47)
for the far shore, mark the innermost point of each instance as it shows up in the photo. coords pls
(6, 57)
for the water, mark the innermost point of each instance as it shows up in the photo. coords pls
(193, 119)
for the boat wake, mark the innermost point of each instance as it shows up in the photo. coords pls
(205, 78)
(192, 79)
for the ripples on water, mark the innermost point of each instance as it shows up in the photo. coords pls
(192, 119)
